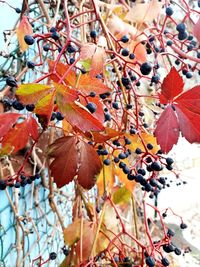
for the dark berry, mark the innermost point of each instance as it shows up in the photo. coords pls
(46, 47)
(124, 39)
(93, 34)
(138, 151)
(30, 107)
(169, 161)
(156, 166)
(92, 94)
(170, 232)
(132, 56)
(3, 185)
(55, 36)
(183, 226)
(116, 160)
(129, 106)
(180, 27)
(125, 52)
(106, 162)
(145, 68)
(59, 116)
(132, 131)
(71, 49)
(17, 105)
(122, 165)
(149, 146)
(65, 251)
(52, 256)
(125, 81)
(182, 36)
(169, 11)
(177, 251)
(10, 81)
(189, 75)
(169, 167)
(150, 261)
(165, 262)
(53, 29)
(30, 65)
(71, 61)
(131, 177)
(91, 107)
(17, 185)
(126, 170)
(115, 105)
(139, 178)
(18, 10)
(168, 248)
(169, 43)
(127, 141)
(141, 171)
(148, 187)
(29, 40)
(107, 117)
(155, 79)
(153, 182)
(53, 116)
(122, 156)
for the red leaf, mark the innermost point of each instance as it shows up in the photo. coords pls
(6, 122)
(189, 124)
(90, 165)
(167, 130)
(64, 166)
(74, 157)
(172, 86)
(196, 30)
(17, 138)
(190, 99)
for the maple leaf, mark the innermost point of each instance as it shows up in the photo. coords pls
(182, 113)
(72, 157)
(6, 122)
(86, 83)
(17, 137)
(24, 28)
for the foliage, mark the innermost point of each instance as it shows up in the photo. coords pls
(112, 87)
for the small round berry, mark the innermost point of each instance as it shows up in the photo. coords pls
(91, 107)
(169, 43)
(106, 162)
(30, 107)
(59, 116)
(53, 116)
(93, 34)
(125, 52)
(168, 248)
(124, 39)
(132, 56)
(92, 94)
(145, 68)
(126, 170)
(29, 40)
(130, 177)
(71, 49)
(107, 117)
(30, 65)
(165, 262)
(150, 261)
(53, 29)
(169, 161)
(169, 11)
(17, 105)
(11, 81)
(71, 61)
(188, 75)
(116, 159)
(170, 232)
(52, 256)
(115, 105)
(138, 151)
(125, 81)
(3, 184)
(149, 146)
(181, 27)
(122, 155)
(18, 10)
(177, 251)
(156, 166)
(155, 79)
(55, 36)
(182, 36)
(141, 171)
(183, 225)
(46, 47)
(17, 185)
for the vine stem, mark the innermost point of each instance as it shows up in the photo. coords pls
(44, 10)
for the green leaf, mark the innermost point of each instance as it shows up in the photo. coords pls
(122, 195)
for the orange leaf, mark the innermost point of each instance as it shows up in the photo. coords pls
(108, 133)
(17, 138)
(24, 28)
(6, 122)
(107, 173)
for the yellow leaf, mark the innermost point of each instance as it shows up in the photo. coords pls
(136, 142)
(108, 174)
(24, 28)
(121, 195)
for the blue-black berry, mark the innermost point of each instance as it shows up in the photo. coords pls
(93, 34)
(52, 256)
(91, 107)
(150, 261)
(29, 40)
(169, 11)
(30, 107)
(17, 105)
(165, 262)
(30, 65)
(10, 81)
(145, 68)
(125, 52)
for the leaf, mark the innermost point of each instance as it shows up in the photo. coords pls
(121, 195)
(136, 141)
(24, 28)
(78, 116)
(6, 122)
(171, 87)
(60, 69)
(64, 166)
(196, 30)
(146, 12)
(99, 113)
(90, 165)
(32, 92)
(190, 99)
(189, 124)
(74, 157)
(107, 134)
(107, 172)
(17, 138)
(167, 130)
